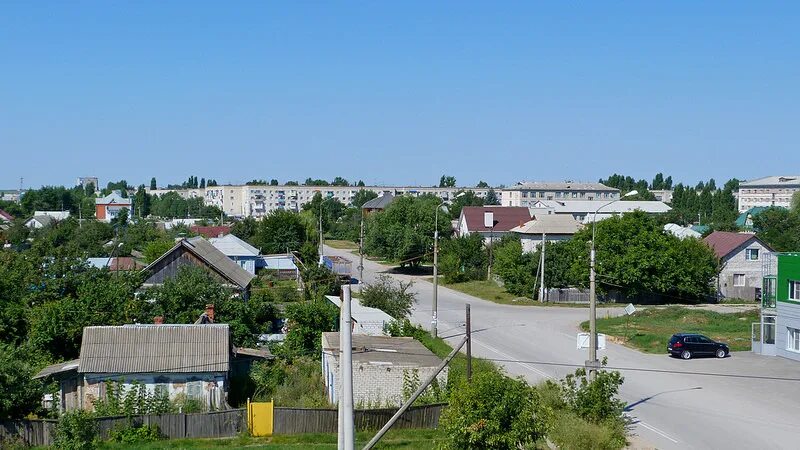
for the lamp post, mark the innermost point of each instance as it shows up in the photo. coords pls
(591, 364)
(435, 306)
(321, 237)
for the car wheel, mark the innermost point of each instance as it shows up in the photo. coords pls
(721, 353)
(686, 354)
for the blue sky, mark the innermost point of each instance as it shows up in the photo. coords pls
(397, 92)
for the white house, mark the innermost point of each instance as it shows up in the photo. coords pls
(381, 367)
(109, 207)
(741, 256)
(42, 219)
(473, 219)
(366, 320)
(550, 227)
(239, 251)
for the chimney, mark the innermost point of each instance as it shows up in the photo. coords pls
(210, 312)
(158, 320)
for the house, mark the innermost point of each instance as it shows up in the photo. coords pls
(584, 210)
(42, 219)
(116, 264)
(109, 207)
(527, 193)
(550, 227)
(198, 252)
(193, 360)
(5, 217)
(282, 267)
(740, 255)
(381, 367)
(366, 320)
(210, 231)
(768, 191)
(745, 219)
(681, 232)
(239, 251)
(780, 308)
(377, 203)
(504, 218)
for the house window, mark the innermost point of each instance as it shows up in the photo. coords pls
(738, 279)
(794, 290)
(793, 343)
(751, 254)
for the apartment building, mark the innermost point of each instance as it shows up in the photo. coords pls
(768, 191)
(259, 200)
(528, 193)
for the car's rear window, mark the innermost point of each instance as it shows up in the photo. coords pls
(674, 339)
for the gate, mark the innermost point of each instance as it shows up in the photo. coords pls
(260, 418)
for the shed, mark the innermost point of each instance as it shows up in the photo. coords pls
(366, 320)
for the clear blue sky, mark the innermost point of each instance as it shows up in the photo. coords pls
(397, 92)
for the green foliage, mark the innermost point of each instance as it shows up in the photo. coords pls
(245, 229)
(319, 281)
(132, 401)
(404, 230)
(131, 434)
(568, 431)
(312, 182)
(463, 258)
(447, 181)
(153, 184)
(298, 384)
(331, 209)
(280, 231)
(779, 228)
(491, 198)
(19, 394)
(394, 300)
(595, 400)
(432, 394)
(76, 430)
(627, 184)
(515, 268)
(467, 198)
(482, 184)
(363, 196)
(155, 249)
(494, 412)
(306, 322)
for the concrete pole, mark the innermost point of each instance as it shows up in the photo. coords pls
(435, 307)
(592, 316)
(361, 251)
(346, 368)
(541, 288)
(469, 345)
(338, 384)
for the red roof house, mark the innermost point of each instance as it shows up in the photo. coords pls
(209, 232)
(504, 218)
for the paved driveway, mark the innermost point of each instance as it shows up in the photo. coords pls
(708, 403)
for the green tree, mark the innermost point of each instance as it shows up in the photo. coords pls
(153, 185)
(339, 181)
(280, 231)
(463, 259)
(141, 202)
(491, 198)
(363, 196)
(19, 393)
(779, 228)
(462, 199)
(482, 184)
(514, 267)
(395, 299)
(155, 249)
(796, 202)
(273, 182)
(447, 181)
(306, 322)
(245, 229)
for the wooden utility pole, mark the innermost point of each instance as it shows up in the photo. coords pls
(469, 346)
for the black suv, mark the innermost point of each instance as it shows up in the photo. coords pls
(687, 345)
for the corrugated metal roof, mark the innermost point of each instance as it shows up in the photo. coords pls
(773, 181)
(560, 186)
(505, 217)
(155, 349)
(725, 242)
(231, 245)
(214, 258)
(282, 262)
(363, 314)
(549, 224)
(379, 202)
(383, 350)
(568, 206)
(53, 369)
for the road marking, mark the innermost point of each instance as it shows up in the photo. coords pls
(511, 358)
(657, 431)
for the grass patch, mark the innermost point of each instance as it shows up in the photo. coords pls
(489, 290)
(341, 245)
(394, 439)
(649, 329)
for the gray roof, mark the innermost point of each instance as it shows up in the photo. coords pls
(155, 349)
(383, 350)
(549, 224)
(379, 202)
(590, 206)
(61, 367)
(214, 258)
(561, 186)
(773, 181)
(231, 245)
(44, 220)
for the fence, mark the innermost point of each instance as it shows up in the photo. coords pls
(230, 423)
(300, 420)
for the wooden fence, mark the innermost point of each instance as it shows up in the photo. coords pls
(301, 420)
(229, 423)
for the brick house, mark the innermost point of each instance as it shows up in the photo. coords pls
(741, 256)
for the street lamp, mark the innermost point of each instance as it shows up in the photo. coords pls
(591, 364)
(435, 307)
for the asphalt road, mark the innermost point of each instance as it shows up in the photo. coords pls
(674, 404)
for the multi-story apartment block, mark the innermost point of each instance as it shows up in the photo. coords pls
(768, 191)
(528, 193)
(86, 181)
(259, 200)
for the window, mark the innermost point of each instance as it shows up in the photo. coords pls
(794, 290)
(793, 343)
(739, 279)
(751, 254)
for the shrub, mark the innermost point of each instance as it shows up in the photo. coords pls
(135, 434)
(570, 432)
(464, 258)
(597, 400)
(394, 300)
(494, 412)
(76, 430)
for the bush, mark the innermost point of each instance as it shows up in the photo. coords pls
(570, 432)
(395, 301)
(463, 259)
(76, 430)
(597, 400)
(135, 400)
(306, 322)
(135, 434)
(494, 412)
(298, 384)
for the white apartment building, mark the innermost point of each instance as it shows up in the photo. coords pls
(768, 191)
(259, 200)
(528, 193)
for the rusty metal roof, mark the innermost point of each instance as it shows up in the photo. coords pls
(155, 349)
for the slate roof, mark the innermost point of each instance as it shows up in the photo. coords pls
(773, 181)
(114, 198)
(560, 186)
(383, 350)
(505, 217)
(231, 245)
(214, 258)
(725, 242)
(44, 220)
(362, 314)
(590, 206)
(61, 367)
(379, 202)
(116, 263)
(549, 224)
(155, 349)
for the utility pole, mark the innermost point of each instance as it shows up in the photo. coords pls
(541, 289)
(361, 251)
(469, 346)
(491, 253)
(435, 306)
(346, 369)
